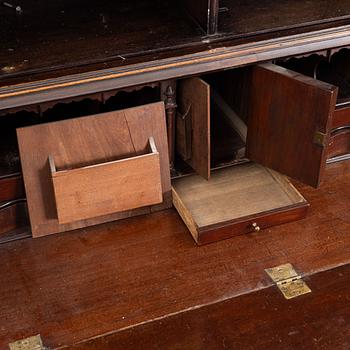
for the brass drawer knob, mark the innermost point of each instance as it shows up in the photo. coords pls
(256, 227)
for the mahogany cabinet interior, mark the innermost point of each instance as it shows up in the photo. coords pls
(287, 116)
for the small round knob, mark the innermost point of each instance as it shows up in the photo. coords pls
(256, 227)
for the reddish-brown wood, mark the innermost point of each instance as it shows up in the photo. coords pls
(84, 141)
(194, 104)
(287, 109)
(81, 285)
(261, 320)
(13, 216)
(339, 143)
(11, 187)
(341, 117)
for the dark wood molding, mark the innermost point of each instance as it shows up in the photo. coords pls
(175, 67)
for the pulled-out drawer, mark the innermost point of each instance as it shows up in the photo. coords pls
(236, 200)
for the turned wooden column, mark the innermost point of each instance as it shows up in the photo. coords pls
(168, 92)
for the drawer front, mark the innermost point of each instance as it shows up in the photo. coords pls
(253, 224)
(339, 142)
(341, 117)
(13, 217)
(11, 187)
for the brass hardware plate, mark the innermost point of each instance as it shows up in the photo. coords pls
(320, 138)
(31, 343)
(288, 281)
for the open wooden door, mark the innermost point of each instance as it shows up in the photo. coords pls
(193, 124)
(289, 122)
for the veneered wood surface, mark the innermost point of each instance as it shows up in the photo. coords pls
(11, 187)
(339, 143)
(257, 321)
(85, 141)
(107, 188)
(287, 109)
(194, 97)
(81, 285)
(341, 117)
(13, 217)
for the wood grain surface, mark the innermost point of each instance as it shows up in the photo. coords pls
(194, 97)
(287, 109)
(257, 321)
(84, 141)
(82, 285)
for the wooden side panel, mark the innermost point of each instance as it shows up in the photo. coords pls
(287, 110)
(77, 143)
(205, 12)
(93, 191)
(194, 97)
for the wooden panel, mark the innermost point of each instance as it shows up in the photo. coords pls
(11, 187)
(107, 188)
(233, 200)
(264, 320)
(287, 109)
(103, 138)
(110, 277)
(194, 98)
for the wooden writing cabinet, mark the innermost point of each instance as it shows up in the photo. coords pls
(228, 111)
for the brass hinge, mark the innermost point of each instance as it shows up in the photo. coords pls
(31, 343)
(288, 281)
(320, 138)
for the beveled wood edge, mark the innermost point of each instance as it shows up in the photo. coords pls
(217, 232)
(170, 68)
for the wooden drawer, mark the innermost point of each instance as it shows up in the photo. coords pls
(13, 220)
(11, 187)
(89, 170)
(105, 188)
(236, 200)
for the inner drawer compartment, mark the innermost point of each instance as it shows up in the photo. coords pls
(105, 188)
(236, 200)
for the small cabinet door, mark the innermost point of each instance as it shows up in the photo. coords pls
(290, 118)
(193, 124)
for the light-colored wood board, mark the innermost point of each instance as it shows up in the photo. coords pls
(76, 143)
(233, 193)
(92, 191)
(194, 97)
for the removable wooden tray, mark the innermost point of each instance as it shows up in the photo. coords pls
(236, 200)
(79, 197)
(105, 188)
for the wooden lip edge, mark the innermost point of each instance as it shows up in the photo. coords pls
(57, 173)
(295, 213)
(209, 55)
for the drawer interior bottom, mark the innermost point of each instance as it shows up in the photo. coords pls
(237, 197)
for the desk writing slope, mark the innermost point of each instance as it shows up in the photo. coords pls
(101, 159)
